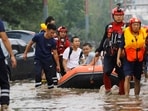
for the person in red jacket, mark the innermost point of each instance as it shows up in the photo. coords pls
(62, 43)
(109, 45)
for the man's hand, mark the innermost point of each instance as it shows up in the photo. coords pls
(97, 54)
(24, 56)
(58, 68)
(13, 62)
(119, 63)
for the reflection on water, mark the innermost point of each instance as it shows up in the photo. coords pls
(24, 97)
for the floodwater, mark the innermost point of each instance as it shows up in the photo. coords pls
(24, 97)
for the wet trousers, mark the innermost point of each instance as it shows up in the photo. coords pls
(61, 66)
(4, 83)
(108, 66)
(49, 69)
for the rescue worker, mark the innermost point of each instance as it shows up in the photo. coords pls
(133, 44)
(109, 44)
(45, 46)
(62, 43)
(4, 80)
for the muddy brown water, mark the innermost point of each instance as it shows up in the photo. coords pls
(24, 97)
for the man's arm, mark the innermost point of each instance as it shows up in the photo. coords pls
(56, 58)
(121, 46)
(28, 47)
(65, 64)
(7, 44)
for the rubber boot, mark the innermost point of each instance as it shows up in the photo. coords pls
(121, 87)
(107, 82)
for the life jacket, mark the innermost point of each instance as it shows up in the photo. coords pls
(114, 32)
(62, 44)
(134, 45)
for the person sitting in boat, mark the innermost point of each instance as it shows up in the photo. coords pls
(62, 43)
(71, 55)
(89, 55)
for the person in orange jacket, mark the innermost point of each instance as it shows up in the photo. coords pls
(133, 44)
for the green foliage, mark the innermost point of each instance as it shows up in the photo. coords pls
(99, 16)
(28, 14)
(22, 14)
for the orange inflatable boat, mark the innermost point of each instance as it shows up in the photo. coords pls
(85, 77)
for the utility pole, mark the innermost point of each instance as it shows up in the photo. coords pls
(86, 20)
(45, 9)
(111, 6)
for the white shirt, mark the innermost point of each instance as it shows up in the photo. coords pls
(73, 61)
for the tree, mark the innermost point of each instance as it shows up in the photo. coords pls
(28, 14)
(22, 14)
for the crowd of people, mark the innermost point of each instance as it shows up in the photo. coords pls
(119, 40)
(124, 48)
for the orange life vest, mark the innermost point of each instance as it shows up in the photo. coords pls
(134, 45)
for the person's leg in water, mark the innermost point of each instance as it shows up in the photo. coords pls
(38, 71)
(5, 87)
(49, 70)
(121, 77)
(137, 76)
(128, 73)
(107, 68)
(43, 77)
(127, 84)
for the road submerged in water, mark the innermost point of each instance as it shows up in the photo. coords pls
(24, 97)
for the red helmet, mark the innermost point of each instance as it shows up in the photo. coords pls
(134, 20)
(117, 11)
(62, 29)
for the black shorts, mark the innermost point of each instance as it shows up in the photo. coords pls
(133, 69)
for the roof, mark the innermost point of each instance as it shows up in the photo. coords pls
(14, 42)
(25, 31)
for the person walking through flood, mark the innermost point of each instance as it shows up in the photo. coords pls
(4, 80)
(43, 26)
(133, 44)
(45, 46)
(109, 45)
